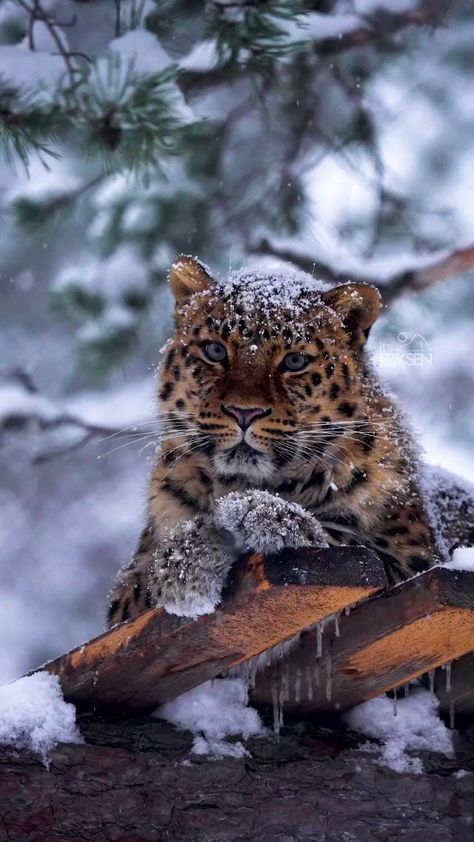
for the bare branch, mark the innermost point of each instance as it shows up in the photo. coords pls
(37, 13)
(436, 268)
(383, 24)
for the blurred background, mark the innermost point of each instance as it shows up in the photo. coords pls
(334, 134)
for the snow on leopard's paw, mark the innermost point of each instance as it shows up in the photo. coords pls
(190, 568)
(262, 522)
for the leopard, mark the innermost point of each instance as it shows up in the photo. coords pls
(275, 432)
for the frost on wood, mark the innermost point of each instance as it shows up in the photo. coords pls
(213, 712)
(412, 725)
(264, 523)
(34, 715)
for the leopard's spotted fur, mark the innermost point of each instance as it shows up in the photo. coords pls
(330, 439)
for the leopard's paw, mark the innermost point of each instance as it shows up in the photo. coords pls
(190, 569)
(262, 522)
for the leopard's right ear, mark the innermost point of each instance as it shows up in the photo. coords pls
(187, 276)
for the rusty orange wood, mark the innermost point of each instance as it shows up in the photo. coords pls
(157, 656)
(389, 640)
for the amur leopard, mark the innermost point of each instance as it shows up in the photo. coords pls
(274, 432)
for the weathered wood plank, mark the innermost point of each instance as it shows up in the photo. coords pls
(157, 656)
(385, 642)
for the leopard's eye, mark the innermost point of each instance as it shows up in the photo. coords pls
(215, 352)
(295, 362)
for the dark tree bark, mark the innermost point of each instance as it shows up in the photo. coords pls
(135, 781)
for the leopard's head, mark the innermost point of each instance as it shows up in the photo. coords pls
(265, 369)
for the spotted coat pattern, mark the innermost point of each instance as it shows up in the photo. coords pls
(328, 437)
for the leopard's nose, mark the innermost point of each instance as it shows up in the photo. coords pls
(244, 415)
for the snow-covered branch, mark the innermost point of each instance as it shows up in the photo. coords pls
(406, 278)
(23, 405)
(327, 34)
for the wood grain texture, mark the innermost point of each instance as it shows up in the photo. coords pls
(155, 657)
(136, 780)
(384, 643)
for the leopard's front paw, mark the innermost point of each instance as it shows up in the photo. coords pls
(264, 523)
(190, 569)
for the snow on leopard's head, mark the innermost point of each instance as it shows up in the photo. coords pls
(260, 360)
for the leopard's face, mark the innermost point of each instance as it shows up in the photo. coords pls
(261, 388)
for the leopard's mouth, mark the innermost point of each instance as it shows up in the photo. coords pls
(243, 450)
(245, 461)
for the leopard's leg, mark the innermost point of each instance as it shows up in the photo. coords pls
(405, 541)
(184, 571)
(190, 567)
(130, 594)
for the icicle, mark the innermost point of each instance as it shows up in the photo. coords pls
(328, 677)
(347, 610)
(451, 715)
(276, 710)
(406, 690)
(448, 677)
(253, 671)
(298, 686)
(316, 676)
(431, 676)
(309, 684)
(287, 680)
(319, 640)
(395, 703)
(336, 625)
(281, 696)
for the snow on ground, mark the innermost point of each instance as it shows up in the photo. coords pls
(416, 726)
(463, 559)
(34, 715)
(214, 711)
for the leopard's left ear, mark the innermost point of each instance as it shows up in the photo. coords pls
(358, 305)
(187, 276)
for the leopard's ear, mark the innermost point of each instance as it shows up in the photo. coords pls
(358, 305)
(187, 276)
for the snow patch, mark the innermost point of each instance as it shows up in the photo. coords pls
(274, 289)
(203, 57)
(22, 66)
(463, 559)
(34, 715)
(17, 404)
(416, 726)
(214, 711)
(144, 49)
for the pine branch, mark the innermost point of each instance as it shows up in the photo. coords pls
(374, 29)
(435, 269)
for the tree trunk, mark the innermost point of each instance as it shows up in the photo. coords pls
(135, 781)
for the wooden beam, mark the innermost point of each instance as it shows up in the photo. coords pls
(157, 656)
(384, 643)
